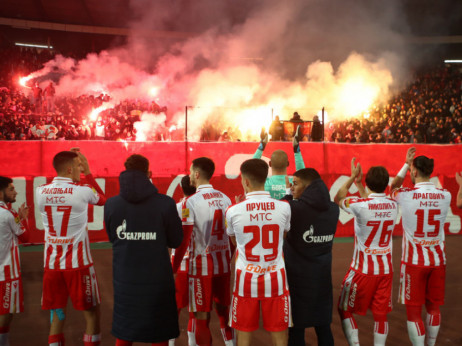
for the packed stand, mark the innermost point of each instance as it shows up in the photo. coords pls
(428, 111)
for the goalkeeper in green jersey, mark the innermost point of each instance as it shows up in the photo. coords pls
(276, 183)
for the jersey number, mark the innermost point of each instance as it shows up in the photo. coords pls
(431, 222)
(217, 224)
(386, 232)
(267, 242)
(66, 210)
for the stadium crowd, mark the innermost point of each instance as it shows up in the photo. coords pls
(429, 110)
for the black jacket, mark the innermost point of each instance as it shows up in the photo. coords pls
(142, 224)
(308, 255)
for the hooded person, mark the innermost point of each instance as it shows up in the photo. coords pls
(308, 256)
(142, 224)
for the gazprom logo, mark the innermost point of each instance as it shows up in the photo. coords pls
(123, 235)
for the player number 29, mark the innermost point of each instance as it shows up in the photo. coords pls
(268, 235)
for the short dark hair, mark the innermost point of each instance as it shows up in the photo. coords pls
(307, 175)
(4, 182)
(63, 159)
(424, 165)
(186, 186)
(256, 170)
(377, 179)
(137, 162)
(205, 165)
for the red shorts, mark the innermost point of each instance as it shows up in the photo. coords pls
(79, 284)
(181, 289)
(12, 298)
(420, 284)
(204, 290)
(361, 292)
(245, 313)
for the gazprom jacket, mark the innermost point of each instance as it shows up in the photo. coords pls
(308, 255)
(142, 224)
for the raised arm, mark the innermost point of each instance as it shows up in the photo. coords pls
(90, 180)
(343, 191)
(398, 180)
(359, 183)
(263, 141)
(459, 193)
(299, 163)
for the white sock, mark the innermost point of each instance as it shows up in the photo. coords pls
(171, 342)
(191, 339)
(4, 339)
(432, 331)
(416, 335)
(379, 338)
(351, 333)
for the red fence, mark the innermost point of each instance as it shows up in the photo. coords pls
(29, 163)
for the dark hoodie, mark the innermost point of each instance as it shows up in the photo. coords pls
(142, 224)
(308, 255)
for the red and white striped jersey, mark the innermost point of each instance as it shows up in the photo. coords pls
(209, 252)
(424, 209)
(375, 219)
(10, 229)
(64, 209)
(184, 266)
(259, 223)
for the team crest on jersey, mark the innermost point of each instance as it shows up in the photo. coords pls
(17, 219)
(185, 213)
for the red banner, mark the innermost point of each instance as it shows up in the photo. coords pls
(30, 164)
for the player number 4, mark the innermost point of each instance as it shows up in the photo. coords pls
(217, 224)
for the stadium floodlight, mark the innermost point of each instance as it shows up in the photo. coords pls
(458, 61)
(33, 45)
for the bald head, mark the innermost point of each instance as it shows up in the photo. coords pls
(279, 162)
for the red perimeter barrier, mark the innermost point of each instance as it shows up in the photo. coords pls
(30, 164)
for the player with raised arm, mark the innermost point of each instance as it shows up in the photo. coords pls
(368, 282)
(69, 270)
(257, 226)
(13, 226)
(276, 184)
(459, 193)
(181, 279)
(209, 252)
(423, 263)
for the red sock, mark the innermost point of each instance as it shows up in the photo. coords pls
(163, 343)
(345, 314)
(120, 342)
(91, 340)
(192, 323)
(223, 316)
(381, 323)
(56, 339)
(4, 330)
(435, 314)
(203, 335)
